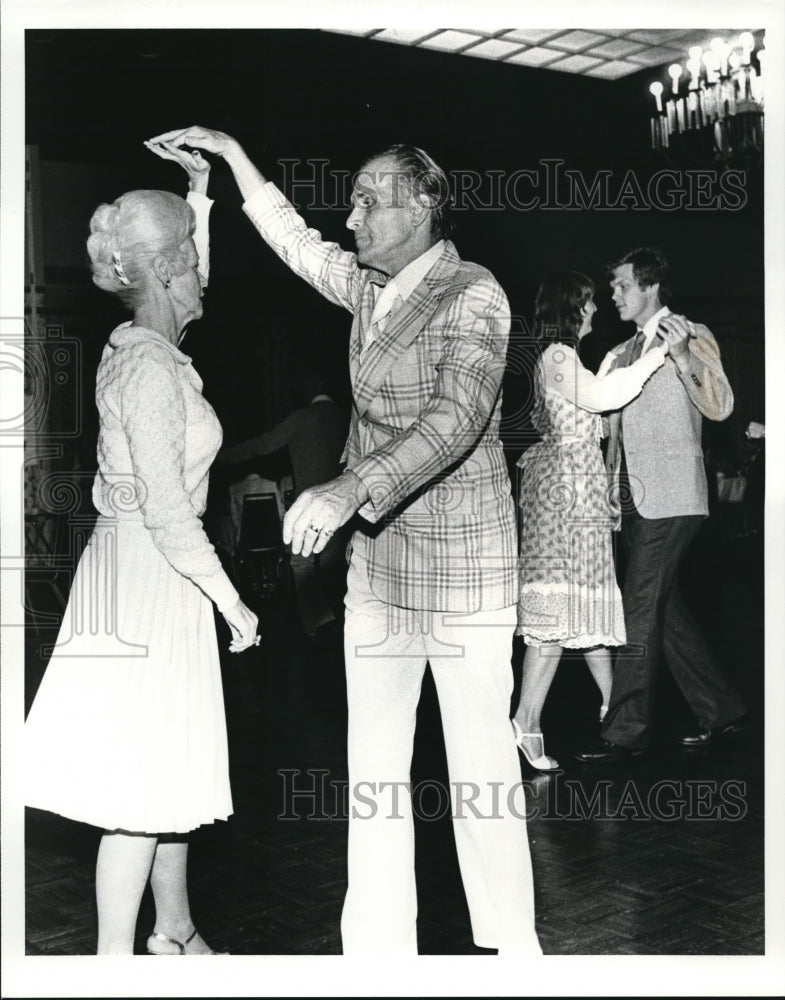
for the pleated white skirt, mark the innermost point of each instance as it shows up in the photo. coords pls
(127, 730)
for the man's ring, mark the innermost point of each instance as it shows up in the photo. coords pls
(312, 527)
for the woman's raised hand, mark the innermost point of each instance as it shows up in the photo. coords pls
(248, 177)
(194, 164)
(207, 139)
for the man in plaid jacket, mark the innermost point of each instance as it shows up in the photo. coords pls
(432, 577)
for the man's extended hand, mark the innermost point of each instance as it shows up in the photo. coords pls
(317, 513)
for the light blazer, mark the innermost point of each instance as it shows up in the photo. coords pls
(662, 428)
(424, 433)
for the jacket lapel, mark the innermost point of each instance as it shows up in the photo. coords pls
(402, 329)
(613, 453)
(623, 359)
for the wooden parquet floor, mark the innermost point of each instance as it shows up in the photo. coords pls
(661, 856)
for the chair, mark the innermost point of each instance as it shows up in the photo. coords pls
(262, 558)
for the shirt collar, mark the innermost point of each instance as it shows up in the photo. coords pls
(409, 277)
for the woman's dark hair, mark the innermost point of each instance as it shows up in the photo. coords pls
(427, 182)
(557, 308)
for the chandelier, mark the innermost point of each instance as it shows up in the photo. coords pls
(715, 109)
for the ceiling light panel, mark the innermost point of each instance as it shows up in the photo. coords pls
(606, 53)
(450, 40)
(494, 48)
(536, 56)
(577, 41)
(575, 64)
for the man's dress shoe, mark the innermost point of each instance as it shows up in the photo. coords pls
(600, 751)
(704, 737)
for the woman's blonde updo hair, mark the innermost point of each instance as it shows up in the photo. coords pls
(126, 237)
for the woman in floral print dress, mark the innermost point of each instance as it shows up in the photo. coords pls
(568, 597)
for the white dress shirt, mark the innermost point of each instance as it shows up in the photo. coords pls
(649, 328)
(402, 285)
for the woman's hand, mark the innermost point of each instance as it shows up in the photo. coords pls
(248, 176)
(194, 164)
(663, 344)
(243, 624)
(208, 139)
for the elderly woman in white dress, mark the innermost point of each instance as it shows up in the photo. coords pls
(127, 731)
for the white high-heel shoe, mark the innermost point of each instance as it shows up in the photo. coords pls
(165, 940)
(541, 763)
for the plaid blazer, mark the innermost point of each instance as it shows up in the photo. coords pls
(424, 432)
(662, 429)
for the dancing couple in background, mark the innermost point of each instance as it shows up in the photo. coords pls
(655, 389)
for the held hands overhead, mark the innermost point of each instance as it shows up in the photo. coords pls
(246, 174)
(194, 164)
(210, 140)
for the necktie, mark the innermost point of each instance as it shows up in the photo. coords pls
(625, 494)
(386, 306)
(637, 347)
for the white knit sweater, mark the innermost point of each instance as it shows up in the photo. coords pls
(157, 440)
(158, 437)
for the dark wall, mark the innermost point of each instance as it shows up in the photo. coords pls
(93, 96)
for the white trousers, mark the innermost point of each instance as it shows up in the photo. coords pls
(386, 651)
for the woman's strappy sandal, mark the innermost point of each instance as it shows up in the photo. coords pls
(180, 945)
(541, 762)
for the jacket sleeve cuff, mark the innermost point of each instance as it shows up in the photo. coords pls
(264, 199)
(380, 497)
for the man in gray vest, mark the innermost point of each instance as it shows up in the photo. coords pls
(655, 461)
